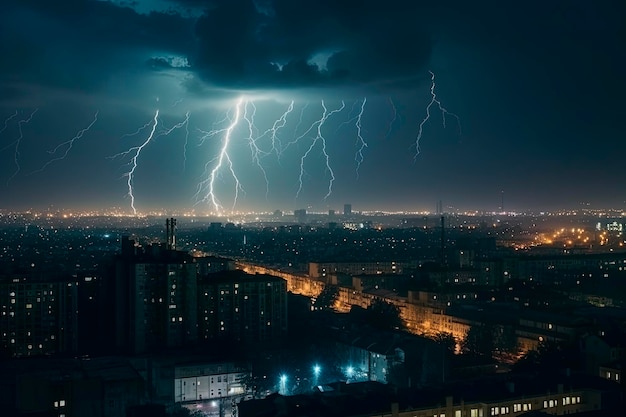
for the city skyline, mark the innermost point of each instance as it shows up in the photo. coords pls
(102, 99)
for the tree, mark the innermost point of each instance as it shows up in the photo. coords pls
(446, 340)
(550, 358)
(327, 298)
(383, 315)
(505, 340)
(479, 341)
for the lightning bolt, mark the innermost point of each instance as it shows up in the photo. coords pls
(222, 159)
(68, 144)
(186, 144)
(136, 151)
(273, 131)
(257, 153)
(319, 138)
(360, 141)
(185, 124)
(443, 110)
(17, 143)
(295, 131)
(393, 120)
(6, 122)
(138, 131)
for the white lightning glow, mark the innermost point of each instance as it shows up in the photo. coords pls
(443, 110)
(360, 141)
(186, 144)
(185, 124)
(253, 139)
(208, 185)
(7, 120)
(318, 124)
(17, 142)
(135, 151)
(68, 144)
(138, 131)
(272, 132)
(394, 110)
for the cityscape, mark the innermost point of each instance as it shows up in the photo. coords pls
(312, 208)
(340, 313)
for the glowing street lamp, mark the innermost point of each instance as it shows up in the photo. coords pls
(316, 370)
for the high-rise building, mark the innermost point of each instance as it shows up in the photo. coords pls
(347, 209)
(239, 306)
(38, 317)
(155, 298)
(300, 215)
(155, 294)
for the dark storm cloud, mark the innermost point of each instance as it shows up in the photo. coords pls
(298, 44)
(81, 44)
(278, 43)
(270, 44)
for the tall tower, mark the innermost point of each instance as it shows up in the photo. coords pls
(347, 209)
(170, 233)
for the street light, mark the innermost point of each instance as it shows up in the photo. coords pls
(283, 384)
(316, 370)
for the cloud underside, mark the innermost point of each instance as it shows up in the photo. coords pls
(269, 44)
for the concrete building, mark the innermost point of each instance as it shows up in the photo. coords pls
(516, 396)
(197, 383)
(155, 298)
(323, 269)
(103, 387)
(38, 317)
(239, 306)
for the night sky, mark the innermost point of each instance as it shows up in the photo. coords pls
(538, 88)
